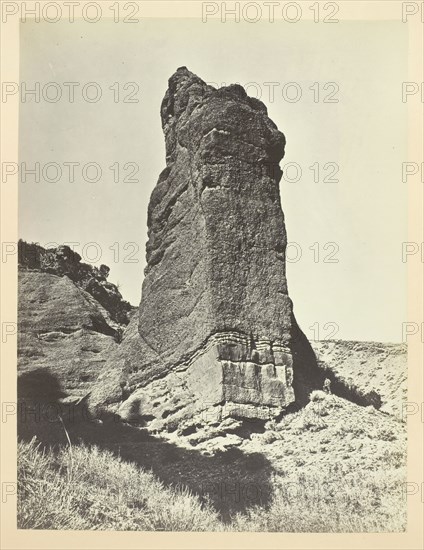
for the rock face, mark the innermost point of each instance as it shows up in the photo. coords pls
(63, 261)
(215, 305)
(65, 332)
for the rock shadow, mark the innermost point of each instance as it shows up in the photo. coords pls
(306, 374)
(232, 481)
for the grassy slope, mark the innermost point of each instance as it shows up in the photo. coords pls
(336, 467)
(85, 488)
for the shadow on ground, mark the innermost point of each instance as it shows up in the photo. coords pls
(233, 481)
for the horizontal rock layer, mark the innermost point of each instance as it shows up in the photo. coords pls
(229, 370)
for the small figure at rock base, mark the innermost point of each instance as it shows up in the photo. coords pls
(327, 386)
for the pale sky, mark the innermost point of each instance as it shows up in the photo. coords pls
(364, 213)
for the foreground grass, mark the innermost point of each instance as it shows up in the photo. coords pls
(87, 488)
(330, 502)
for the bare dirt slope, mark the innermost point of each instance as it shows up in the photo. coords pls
(63, 330)
(374, 371)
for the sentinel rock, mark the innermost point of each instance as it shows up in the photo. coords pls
(215, 308)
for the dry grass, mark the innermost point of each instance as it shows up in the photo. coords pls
(85, 488)
(82, 487)
(330, 502)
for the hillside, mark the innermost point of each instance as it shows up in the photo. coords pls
(370, 372)
(69, 317)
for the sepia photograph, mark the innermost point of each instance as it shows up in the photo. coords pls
(212, 257)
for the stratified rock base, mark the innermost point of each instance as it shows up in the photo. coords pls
(230, 369)
(226, 378)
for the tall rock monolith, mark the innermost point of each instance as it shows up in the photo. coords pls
(215, 306)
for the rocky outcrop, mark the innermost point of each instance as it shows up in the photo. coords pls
(63, 261)
(215, 305)
(67, 326)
